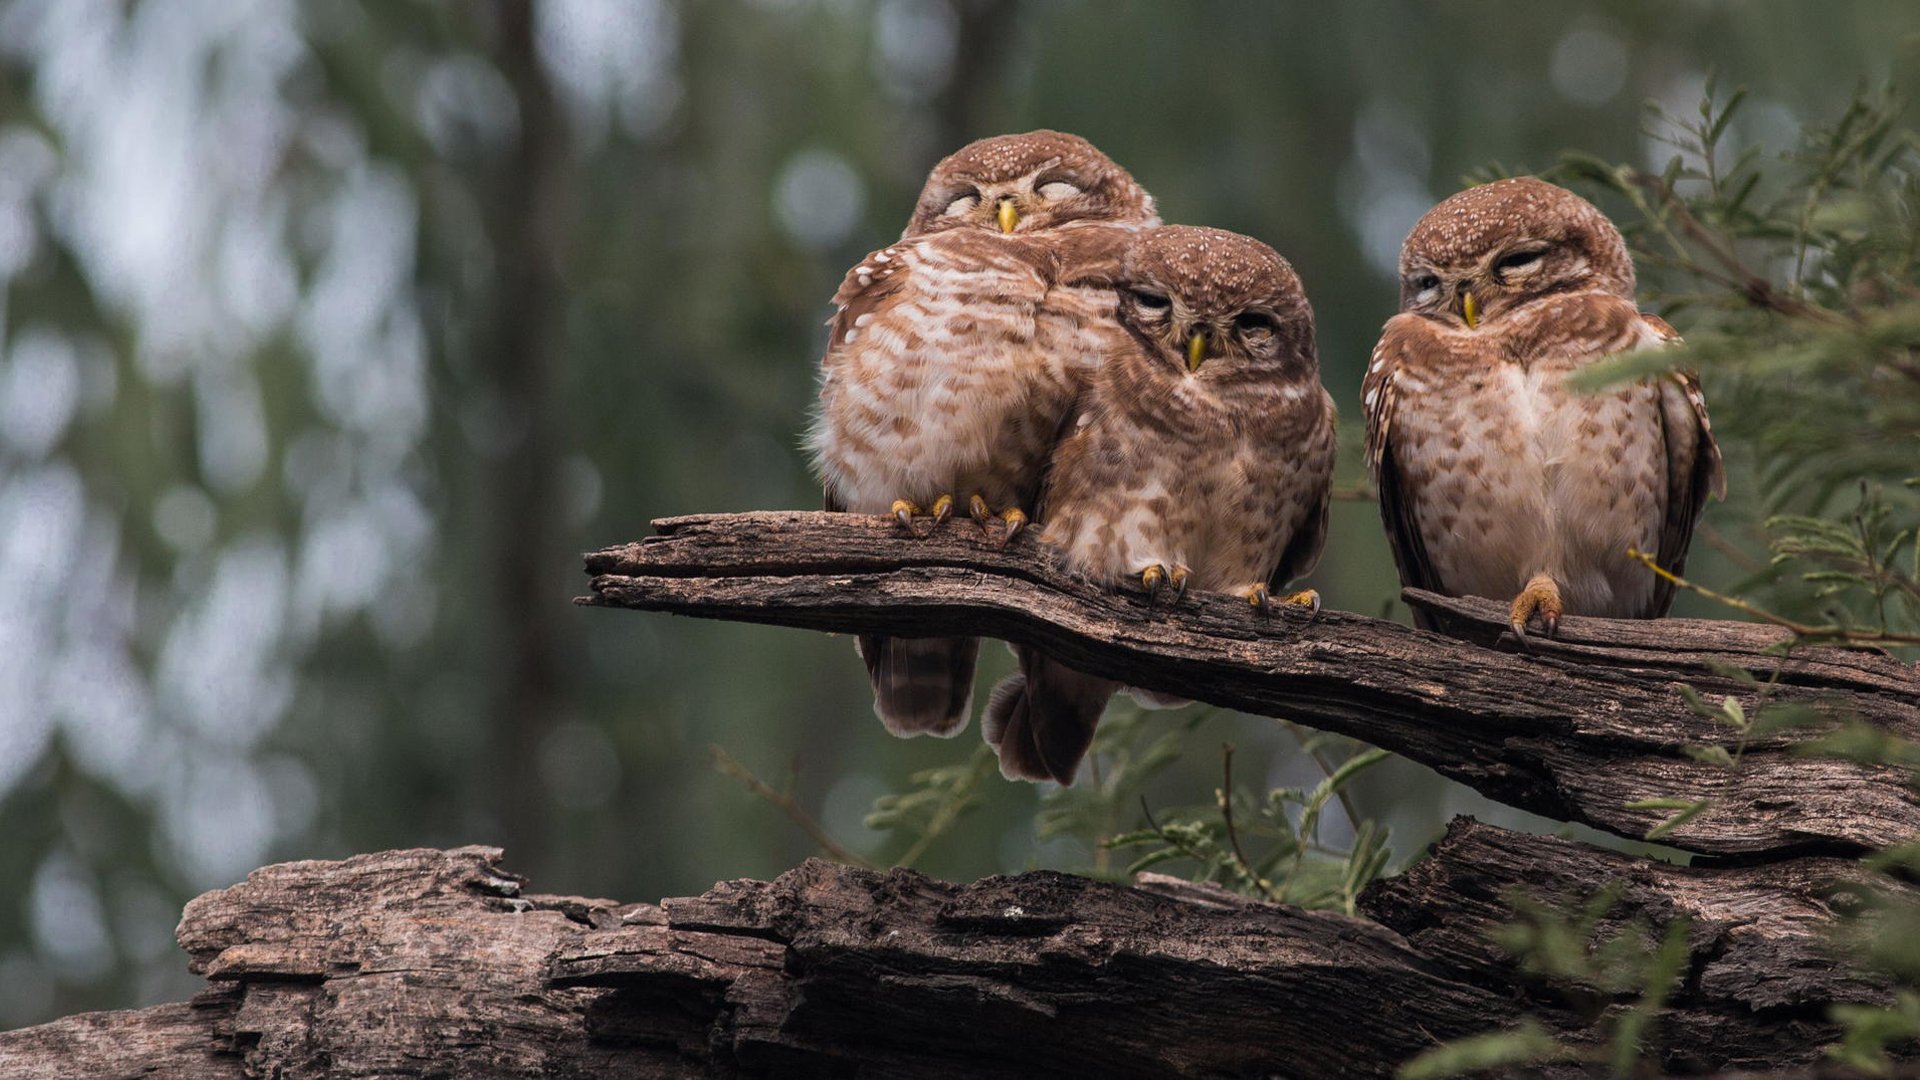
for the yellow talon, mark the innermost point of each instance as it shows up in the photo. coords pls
(903, 512)
(1016, 520)
(1178, 578)
(1306, 598)
(1152, 577)
(1261, 599)
(942, 509)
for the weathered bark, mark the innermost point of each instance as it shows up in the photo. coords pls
(1577, 730)
(429, 963)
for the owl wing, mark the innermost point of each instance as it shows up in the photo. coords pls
(865, 288)
(1694, 467)
(1380, 392)
(1302, 553)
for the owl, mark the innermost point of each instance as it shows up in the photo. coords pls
(953, 357)
(1200, 456)
(1496, 478)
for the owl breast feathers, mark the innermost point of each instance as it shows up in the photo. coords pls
(952, 359)
(1198, 457)
(1496, 478)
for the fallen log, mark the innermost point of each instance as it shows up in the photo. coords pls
(441, 963)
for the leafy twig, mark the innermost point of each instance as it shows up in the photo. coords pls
(1225, 796)
(1829, 632)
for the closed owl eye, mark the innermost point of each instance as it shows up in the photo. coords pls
(1151, 303)
(1055, 190)
(1254, 326)
(1517, 260)
(961, 205)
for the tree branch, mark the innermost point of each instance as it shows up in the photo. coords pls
(441, 963)
(1589, 723)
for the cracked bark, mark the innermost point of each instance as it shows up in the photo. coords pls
(432, 963)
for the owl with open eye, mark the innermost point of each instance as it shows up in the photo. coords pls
(1199, 457)
(953, 357)
(1496, 478)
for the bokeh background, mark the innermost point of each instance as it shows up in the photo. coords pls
(332, 332)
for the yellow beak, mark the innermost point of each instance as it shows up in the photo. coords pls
(1196, 350)
(1008, 215)
(1470, 308)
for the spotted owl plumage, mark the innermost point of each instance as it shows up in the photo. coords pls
(1496, 478)
(1200, 454)
(954, 355)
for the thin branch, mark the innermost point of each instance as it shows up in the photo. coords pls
(1737, 275)
(732, 766)
(1809, 631)
(1326, 769)
(1225, 798)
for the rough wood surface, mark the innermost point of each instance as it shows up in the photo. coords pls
(431, 963)
(1577, 730)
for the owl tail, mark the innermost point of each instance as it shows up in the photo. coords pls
(921, 686)
(1041, 718)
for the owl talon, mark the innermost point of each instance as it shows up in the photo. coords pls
(1306, 598)
(903, 512)
(1261, 599)
(977, 506)
(941, 510)
(1153, 579)
(1016, 520)
(1178, 578)
(1541, 598)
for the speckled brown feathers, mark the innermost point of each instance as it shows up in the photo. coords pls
(1217, 471)
(1495, 478)
(955, 353)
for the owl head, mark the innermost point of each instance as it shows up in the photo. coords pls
(1494, 248)
(1026, 183)
(1216, 305)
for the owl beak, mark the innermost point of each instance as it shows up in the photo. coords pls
(1470, 310)
(1196, 350)
(1009, 215)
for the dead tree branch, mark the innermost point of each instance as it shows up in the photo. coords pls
(413, 963)
(1585, 726)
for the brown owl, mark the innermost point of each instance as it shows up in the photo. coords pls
(1198, 457)
(1495, 478)
(953, 357)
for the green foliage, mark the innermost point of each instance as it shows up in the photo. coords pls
(1130, 748)
(1269, 846)
(1525, 1044)
(934, 802)
(1870, 1030)
(1617, 975)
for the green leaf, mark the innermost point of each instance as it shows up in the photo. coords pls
(1688, 810)
(1712, 755)
(1525, 1044)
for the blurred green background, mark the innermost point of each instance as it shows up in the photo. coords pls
(332, 332)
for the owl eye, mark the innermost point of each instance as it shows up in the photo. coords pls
(961, 205)
(1055, 190)
(1152, 303)
(1254, 326)
(1518, 260)
(1424, 283)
